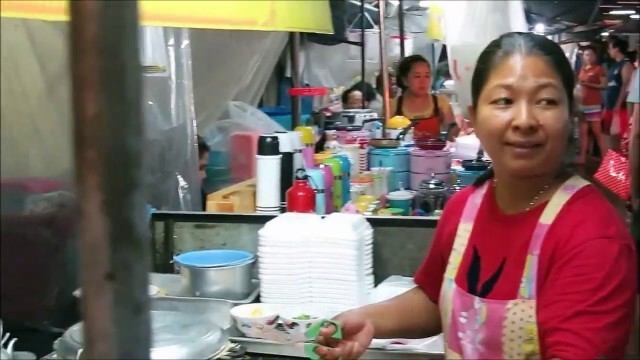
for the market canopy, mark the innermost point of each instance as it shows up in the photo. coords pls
(312, 16)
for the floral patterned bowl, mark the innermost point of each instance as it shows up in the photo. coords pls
(252, 319)
(297, 320)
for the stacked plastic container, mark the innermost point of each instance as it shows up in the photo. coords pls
(304, 259)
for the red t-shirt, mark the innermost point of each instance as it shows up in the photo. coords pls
(586, 282)
(592, 75)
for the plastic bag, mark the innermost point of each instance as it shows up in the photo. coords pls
(372, 41)
(470, 27)
(240, 117)
(225, 165)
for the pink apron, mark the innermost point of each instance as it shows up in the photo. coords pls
(477, 328)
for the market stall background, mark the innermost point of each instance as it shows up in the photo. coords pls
(36, 109)
(35, 76)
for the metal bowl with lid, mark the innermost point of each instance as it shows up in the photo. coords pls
(432, 195)
(174, 336)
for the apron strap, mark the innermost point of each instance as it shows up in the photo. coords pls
(554, 206)
(469, 214)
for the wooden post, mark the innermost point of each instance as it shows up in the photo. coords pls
(113, 231)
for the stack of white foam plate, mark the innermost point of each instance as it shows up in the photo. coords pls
(326, 262)
(282, 257)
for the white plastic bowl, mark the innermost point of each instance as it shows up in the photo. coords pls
(295, 321)
(250, 319)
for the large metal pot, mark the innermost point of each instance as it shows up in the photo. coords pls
(175, 336)
(230, 281)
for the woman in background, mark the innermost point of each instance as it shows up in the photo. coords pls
(377, 99)
(367, 91)
(352, 98)
(530, 261)
(592, 80)
(432, 113)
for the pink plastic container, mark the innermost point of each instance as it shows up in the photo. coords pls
(352, 137)
(426, 162)
(243, 147)
(430, 161)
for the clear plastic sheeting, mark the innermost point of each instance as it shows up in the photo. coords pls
(231, 66)
(233, 143)
(35, 136)
(171, 153)
(37, 254)
(241, 117)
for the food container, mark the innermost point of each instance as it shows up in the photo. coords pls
(357, 117)
(396, 158)
(430, 144)
(396, 126)
(362, 185)
(220, 274)
(250, 318)
(430, 161)
(384, 143)
(427, 162)
(471, 170)
(417, 178)
(243, 146)
(400, 181)
(401, 200)
(432, 196)
(175, 335)
(297, 320)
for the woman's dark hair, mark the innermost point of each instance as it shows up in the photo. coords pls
(346, 93)
(367, 90)
(405, 66)
(618, 43)
(519, 43)
(590, 47)
(203, 147)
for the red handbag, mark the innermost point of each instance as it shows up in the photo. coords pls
(621, 118)
(614, 174)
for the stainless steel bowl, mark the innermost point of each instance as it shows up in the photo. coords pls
(175, 335)
(225, 282)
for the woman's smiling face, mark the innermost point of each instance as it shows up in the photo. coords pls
(522, 117)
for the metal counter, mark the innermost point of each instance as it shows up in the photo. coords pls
(283, 351)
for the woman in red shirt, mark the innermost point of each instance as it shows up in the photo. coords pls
(529, 261)
(592, 80)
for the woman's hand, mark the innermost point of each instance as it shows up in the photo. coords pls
(357, 333)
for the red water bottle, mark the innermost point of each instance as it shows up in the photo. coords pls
(301, 197)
